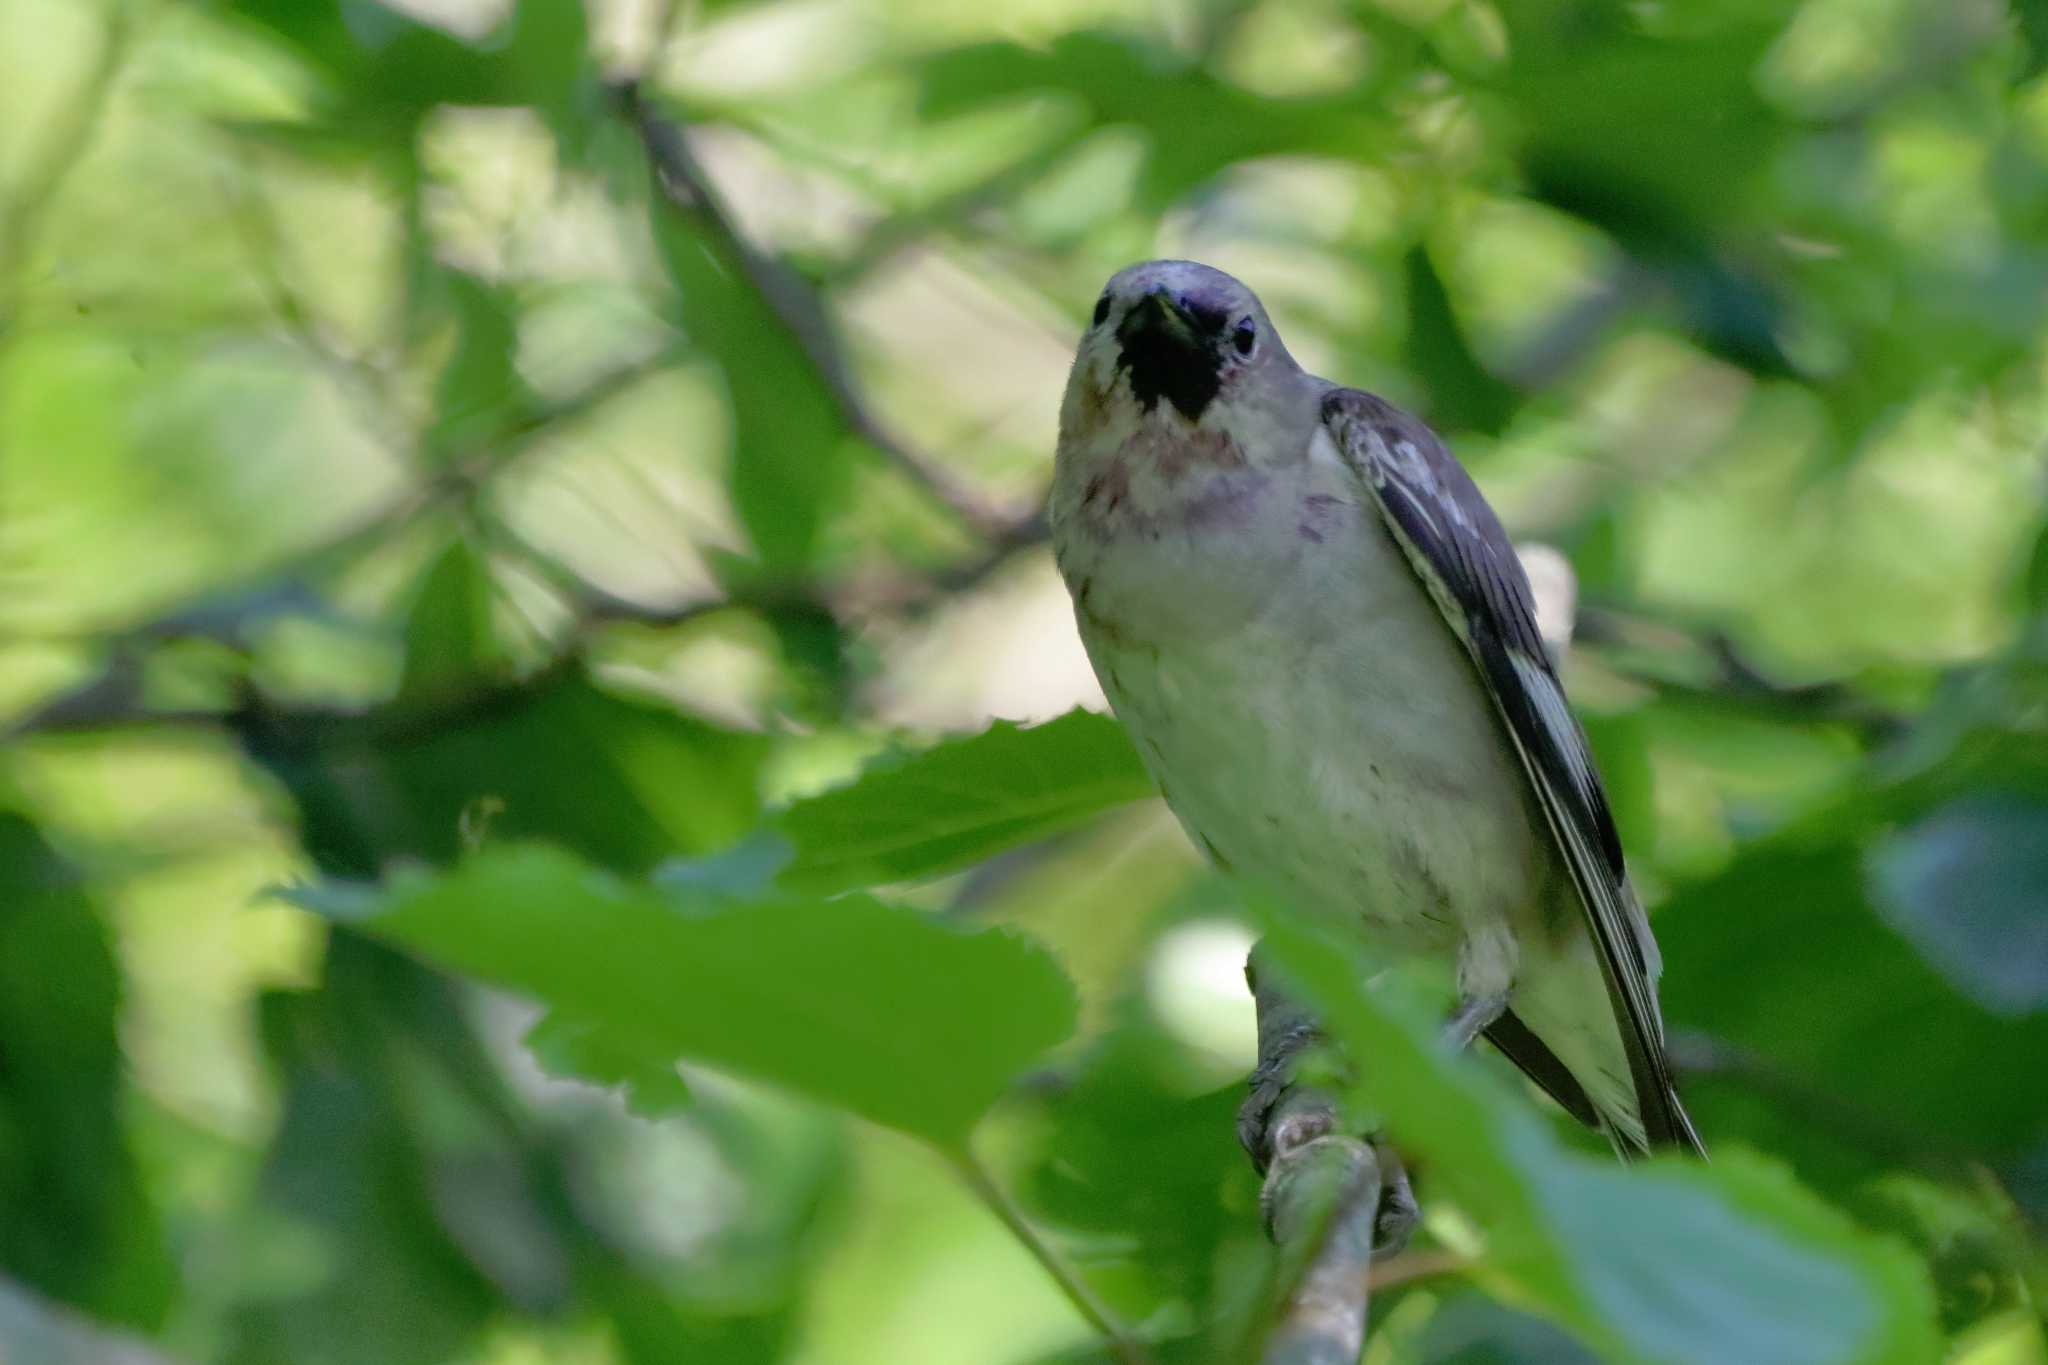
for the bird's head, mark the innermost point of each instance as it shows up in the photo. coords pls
(1174, 337)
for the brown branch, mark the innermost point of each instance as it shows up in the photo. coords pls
(905, 595)
(1707, 666)
(794, 304)
(114, 697)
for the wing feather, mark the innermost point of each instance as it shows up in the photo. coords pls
(1458, 550)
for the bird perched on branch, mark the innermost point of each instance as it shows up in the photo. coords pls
(1326, 650)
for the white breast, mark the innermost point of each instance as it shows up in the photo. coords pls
(1308, 714)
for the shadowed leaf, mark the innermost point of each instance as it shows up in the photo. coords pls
(879, 1009)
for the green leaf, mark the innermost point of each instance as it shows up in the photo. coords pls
(1462, 392)
(576, 1049)
(961, 801)
(789, 464)
(480, 392)
(1152, 1176)
(386, 70)
(1781, 958)
(1670, 1260)
(450, 641)
(1199, 125)
(1968, 887)
(626, 782)
(875, 1008)
(413, 1220)
(76, 1221)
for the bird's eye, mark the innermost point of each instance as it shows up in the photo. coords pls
(1245, 336)
(1101, 310)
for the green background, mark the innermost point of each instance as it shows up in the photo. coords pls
(482, 623)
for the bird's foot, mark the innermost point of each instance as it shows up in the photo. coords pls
(1281, 1118)
(1278, 1114)
(1278, 1124)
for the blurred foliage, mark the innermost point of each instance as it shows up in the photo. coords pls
(518, 520)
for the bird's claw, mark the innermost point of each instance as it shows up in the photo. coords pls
(1280, 1119)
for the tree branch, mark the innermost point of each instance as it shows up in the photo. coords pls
(1322, 1204)
(794, 304)
(1723, 676)
(1330, 1198)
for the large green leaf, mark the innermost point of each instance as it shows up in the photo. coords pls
(76, 1221)
(961, 801)
(1968, 886)
(789, 451)
(627, 782)
(1671, 1260)
(1782, 958)
(878, 1009)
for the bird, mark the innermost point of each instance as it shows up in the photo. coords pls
(1325, 649)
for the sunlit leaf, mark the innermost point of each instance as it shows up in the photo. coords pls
(960, 801)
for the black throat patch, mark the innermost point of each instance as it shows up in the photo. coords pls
(1175, 357)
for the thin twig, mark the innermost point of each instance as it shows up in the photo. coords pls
(1121, 1343)
(1729, 680)
(793, 303)
(1409, 1266)
(904, 595)
(369, 389)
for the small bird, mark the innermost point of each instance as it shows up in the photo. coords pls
(1325, 648)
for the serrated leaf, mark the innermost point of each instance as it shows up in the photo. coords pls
(1669, 1260)
(960, 801)
(878, 1009)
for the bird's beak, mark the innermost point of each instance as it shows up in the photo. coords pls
(1159, 318)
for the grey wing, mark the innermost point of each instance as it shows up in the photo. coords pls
(1456, 546)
